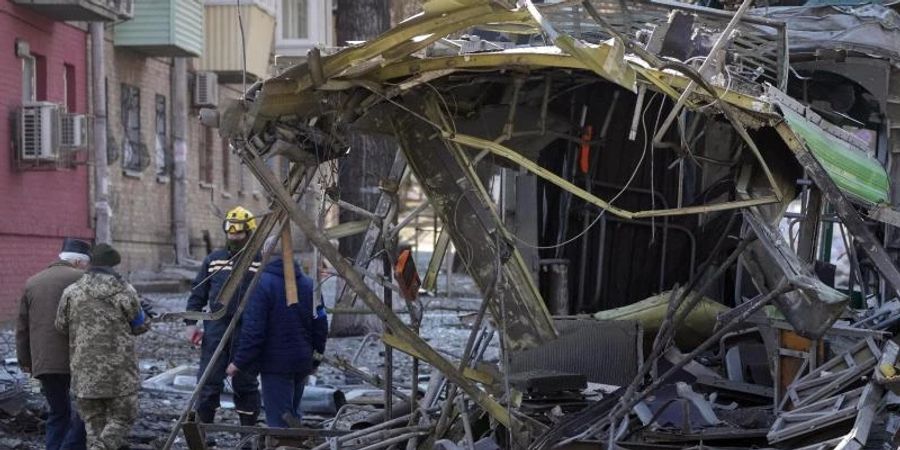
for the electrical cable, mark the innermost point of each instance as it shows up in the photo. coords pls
(243, 50)
(615, 197)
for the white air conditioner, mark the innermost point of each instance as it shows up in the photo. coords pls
(73, 131)
(39, 131)
(124, 7)
(206, 89)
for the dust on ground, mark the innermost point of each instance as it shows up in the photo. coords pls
(165, 347)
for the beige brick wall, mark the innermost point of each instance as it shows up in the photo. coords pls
(141, 201)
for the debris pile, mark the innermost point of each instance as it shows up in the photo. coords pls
(649, 196)
(681, 224)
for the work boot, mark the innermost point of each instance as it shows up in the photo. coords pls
(248, 420)
(207, 416)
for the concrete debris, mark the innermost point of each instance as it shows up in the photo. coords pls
(645, 196)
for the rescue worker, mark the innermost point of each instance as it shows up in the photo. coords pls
(238, 225)
(101, 313)
(43, 351)
(278, 340)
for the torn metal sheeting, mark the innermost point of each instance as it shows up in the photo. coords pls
(814, 306)
(473, 117)
(834, 375)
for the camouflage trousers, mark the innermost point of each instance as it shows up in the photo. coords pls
(108, 420)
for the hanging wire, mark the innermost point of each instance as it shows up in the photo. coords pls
(615, 197)
(243, 50)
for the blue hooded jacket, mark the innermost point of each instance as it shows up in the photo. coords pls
(275, 337)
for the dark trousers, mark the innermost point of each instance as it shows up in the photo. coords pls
(65, 429)
(244, 384)
(281, 394)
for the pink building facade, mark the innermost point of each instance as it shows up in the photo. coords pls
(42, 60)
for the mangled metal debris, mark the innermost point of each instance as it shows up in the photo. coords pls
(702, 128)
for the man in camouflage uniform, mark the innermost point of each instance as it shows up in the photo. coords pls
(102, 313)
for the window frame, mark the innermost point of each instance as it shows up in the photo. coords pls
(161, 135)
(319, 25)
(132, 136)
(29, 83)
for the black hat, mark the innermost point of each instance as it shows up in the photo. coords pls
(72, 245)
(104, 255)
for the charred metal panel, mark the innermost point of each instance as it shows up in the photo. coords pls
(482, 242)
(814, 306)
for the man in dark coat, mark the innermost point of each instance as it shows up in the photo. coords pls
(278, 340)
(43, 351)
(214, 272)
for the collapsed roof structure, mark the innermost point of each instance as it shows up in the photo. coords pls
(644, 148)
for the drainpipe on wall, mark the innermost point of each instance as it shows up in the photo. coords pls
(179, 170)
(102, 210)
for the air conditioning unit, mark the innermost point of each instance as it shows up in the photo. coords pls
(73, 131)
(39, 131)
(124, 7)
(206, 89)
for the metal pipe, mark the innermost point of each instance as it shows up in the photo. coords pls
(396, 440)
(370, 430)
(362, 346)
(388, 350)
(102, 224)
(582, 263)
(340, 412)
(601, 257)
(443, 420)
(406, 220)
(383, 435)
(467, 426)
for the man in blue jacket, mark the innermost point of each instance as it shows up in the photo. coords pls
(278, 340)
(217, 266)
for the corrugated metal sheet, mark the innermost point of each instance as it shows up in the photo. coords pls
(223, 43)
(187, 18)
(164, 28)
(605, 351)
(856, 173)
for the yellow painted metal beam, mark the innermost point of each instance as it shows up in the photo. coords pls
(470, 373)
(527, 164)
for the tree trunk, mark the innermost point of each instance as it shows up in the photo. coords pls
(370, 156)
(404, 9)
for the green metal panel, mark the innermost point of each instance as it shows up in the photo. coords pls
(857, 174)
(164, 28)
(187, 33)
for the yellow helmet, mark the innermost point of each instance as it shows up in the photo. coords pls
(239, 219)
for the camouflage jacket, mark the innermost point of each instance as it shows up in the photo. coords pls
(97, 312)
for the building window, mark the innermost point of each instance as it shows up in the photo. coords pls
(161, 141)
(206, 156)
(226, 165)
(301, 25)
(69, 87)
(40, 78)
(294, 19)
(29, 79)
(134, 152)
(112, 147)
